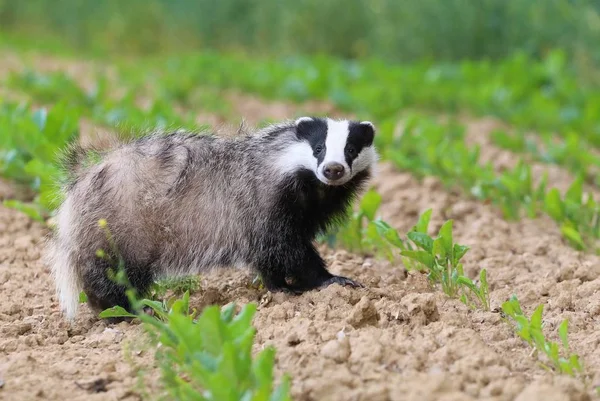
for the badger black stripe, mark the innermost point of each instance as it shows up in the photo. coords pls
(315, 133)
(359, 137)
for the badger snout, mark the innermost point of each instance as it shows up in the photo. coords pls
(333, 171)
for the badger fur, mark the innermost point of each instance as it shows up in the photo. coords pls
(182, 203)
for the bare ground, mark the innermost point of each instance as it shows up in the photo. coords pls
(397, 339)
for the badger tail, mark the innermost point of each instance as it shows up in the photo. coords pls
(62, 262)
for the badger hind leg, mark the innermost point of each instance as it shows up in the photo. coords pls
(104, 292)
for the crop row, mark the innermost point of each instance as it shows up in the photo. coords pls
(425, 147)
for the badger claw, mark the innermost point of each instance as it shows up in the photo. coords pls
(343, 281)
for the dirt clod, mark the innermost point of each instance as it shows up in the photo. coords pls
(338, 350)
(363, 313)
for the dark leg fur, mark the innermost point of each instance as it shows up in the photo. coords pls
(103, 292)
(298, 269)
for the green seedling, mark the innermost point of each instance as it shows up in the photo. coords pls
(579, 219)
(177, 285)
(363, 232)
(211, 358)
(29, 146)
(440, 259)
(206, 357)
(531, 331)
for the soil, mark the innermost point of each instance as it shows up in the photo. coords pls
(396, 339)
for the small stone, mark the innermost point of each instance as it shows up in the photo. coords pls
(338, 350)
(23, 328)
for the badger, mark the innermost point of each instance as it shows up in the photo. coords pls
(179, 203)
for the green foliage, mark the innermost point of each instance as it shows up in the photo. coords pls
(364, 232)
(573, 152)
(530, 330)
(29, 146)
(206, 357)
(210, 358)
(406, 31)
(177, 285)
(440, 257)
(579, 219)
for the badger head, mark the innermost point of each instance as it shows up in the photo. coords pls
(335, 150)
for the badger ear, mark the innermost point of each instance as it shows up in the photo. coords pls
(303, 126)
(369, 126)
(301, 120)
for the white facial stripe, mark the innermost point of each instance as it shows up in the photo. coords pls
(337, 135)
(298, 155)
(367, 157)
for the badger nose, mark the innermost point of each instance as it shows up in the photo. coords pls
(333, 171)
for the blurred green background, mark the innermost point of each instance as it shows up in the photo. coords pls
(406, 31)
(531, 64)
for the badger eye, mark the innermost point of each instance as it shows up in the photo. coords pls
(351, 151)
(318, 149)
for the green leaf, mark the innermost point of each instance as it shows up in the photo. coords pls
(389, 233)
(458, 252)
(209, 324)
(572, 236)
(82, 297)
(227, 312)
(30, 210)
(554, 205)
(282, 392)
(438, 248)
(242, 321)
(574, 360)
(446, 237)
(422, 240)
(40, 117)
(565, 367)
(421, 257)
(575, 191)
(563, 332)
(115, 311)
(536, 317)
(370, 203)
(423, 223)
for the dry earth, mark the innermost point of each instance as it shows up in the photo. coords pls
(397, 339)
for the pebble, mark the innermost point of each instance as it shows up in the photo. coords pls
(337, 350)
